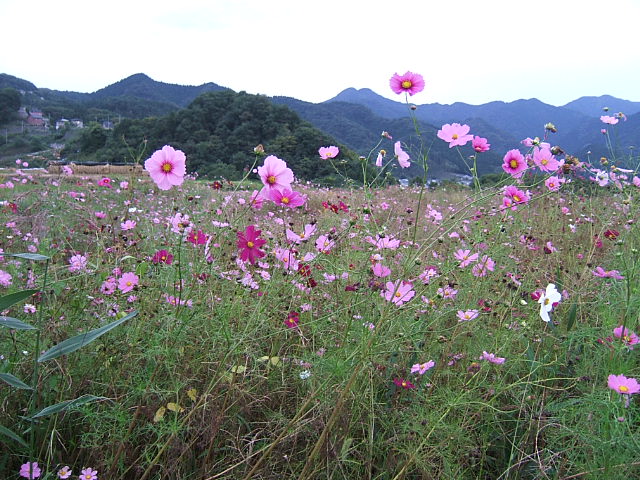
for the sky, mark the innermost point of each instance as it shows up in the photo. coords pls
(472, 51)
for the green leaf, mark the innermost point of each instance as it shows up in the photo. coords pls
(14, 436)
(13, 298)
(27, 256)
(14, 323)
(74, 343)
(66, 405)
(14, 381)
(572, 316)
(142, 268)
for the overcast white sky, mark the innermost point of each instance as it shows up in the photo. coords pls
(473, 51)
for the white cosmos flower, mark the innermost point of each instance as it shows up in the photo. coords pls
(546, 301)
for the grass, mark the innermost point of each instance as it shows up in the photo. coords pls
(221, 387)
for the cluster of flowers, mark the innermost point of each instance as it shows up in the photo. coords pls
(32, 470)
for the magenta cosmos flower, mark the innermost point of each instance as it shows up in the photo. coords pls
(623, 385)
(514, 163)
(455, 134)
(328, 152)
(166, 167)
(480, 144)
(410, 83)
(274, 174)
(249, 243)
(628, 337)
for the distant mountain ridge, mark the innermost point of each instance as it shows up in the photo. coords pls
(357, 116)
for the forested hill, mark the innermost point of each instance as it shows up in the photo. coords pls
(218, 132)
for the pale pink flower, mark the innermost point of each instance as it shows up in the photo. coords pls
(455, 134)
(398, 293)
(491, 357)
(128, 225)
(167, 167)
(514, 163)
(78, 263)
(383, 242)
(30, 470)
(256, 200)
(324, 244)
(403, 157)
(483, 267)
(608, 119)
(380, 270)
(127, 282)
(306, 234)
(410, 83)
(88, 474)
(628, 337)
(602, 273)
(623, 385)
(328, 152)
(465, 257)
(544, 159)
(429, 273)
(553, 183)
(275, 175)
(421, 368)
(467, 315)
(379, 158)
(5, 279)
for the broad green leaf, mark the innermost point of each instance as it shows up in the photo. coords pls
(66, 405)
(74, 343)
(14, 323)
(13, 298)
(141, 269)
(27, 256)
(14, 436)
(572, 316)
(14, 381)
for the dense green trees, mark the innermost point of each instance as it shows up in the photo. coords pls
(9, 104)
(218, 133)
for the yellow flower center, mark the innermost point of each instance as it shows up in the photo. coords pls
(129, 284)
(516, 198)
(454, 136)
(398, 294)
(547, 301)
(406, 84)
(271, 179)
(250, 244)
(163, 258)
(513, 163)
(467, 316)
(285, 200)
(404, 384)
(544, 161)
(167, 167)
(623, 388)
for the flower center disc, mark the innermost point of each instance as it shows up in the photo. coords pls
(167, 167)
(407, 84)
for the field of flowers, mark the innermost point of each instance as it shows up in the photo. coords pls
(165, 327)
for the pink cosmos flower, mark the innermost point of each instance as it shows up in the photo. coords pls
(421, 368)
(403, 157)
(383, 242)
(128, 225)
(467, 315)
(166, 167)
(104, 182)
(256, 200)
(64, 473)
(455, 134)
(628, 337)
(399, 292)
(465, 257)
(483, 267)
(275, 175)
(127, 282)
(429, 273)
(602, 273)
(308, 231)
(623, 385)
(636, 181)
(249, 242)
(162, 256)
(287, 198)
(328, 152)
(100, 214)
(88, 474)
(544, 160)
(514, 163)
(380, 270)
(5, 279)
(410, 83)
(553, 183)
(78, 263)
(324, 244)
(491, 357)
(292, 320)
(30, 470)
(379, 158)
(480, 144)
(513, 197)
(609, 120)
(197, 238)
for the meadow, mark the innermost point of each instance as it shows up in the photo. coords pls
(164, 327)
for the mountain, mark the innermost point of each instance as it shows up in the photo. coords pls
(594, 106)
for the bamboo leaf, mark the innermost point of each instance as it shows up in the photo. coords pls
(13, 298)
(12, 435)
(27, 256)
(66, 405)
(74, 343)
(572, 316)
(15, 324)
(14, 381)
